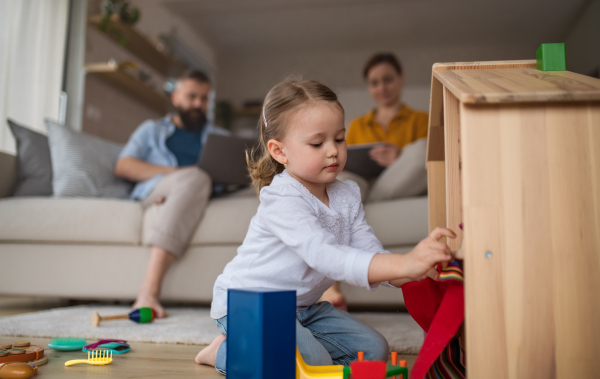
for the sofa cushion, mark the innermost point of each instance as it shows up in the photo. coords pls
(71, 220)
(399, 222)
(83, 165)
(225, 221)
(35, 167)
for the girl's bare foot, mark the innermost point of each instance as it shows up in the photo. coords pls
(208, 355)
(150, 301)
(335, 296)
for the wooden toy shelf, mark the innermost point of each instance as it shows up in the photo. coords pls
(514, 155)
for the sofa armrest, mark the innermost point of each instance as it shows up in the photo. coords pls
(8, 174)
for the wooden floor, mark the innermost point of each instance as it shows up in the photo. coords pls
(145, 360)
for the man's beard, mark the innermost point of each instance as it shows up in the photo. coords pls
(193, 119)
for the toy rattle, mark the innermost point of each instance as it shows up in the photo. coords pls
(141, 316)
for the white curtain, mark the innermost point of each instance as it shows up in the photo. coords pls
(32, 47)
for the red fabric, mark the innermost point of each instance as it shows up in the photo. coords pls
(438, 307)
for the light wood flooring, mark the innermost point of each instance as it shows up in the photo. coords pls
(145, 360)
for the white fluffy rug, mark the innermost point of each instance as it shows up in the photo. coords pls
(184, 325)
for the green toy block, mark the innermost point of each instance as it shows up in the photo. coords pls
(551, 57)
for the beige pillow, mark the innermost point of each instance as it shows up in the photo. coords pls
(404, 178)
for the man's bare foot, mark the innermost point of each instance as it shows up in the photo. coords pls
(208, 355)
(335, 296)
(150, 301)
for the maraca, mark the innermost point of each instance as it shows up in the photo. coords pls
(140, 315)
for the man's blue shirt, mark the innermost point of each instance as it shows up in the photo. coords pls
(186, 146)
(148, 144)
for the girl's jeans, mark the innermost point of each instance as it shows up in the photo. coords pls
(325, 335)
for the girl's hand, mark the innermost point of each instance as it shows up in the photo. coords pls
(421, 261)
(385, 154)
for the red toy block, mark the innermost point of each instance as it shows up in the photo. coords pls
(368, 370)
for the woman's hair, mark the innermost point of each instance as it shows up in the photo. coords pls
(282, 101)
(382, 58)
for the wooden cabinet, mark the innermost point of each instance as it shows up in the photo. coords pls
(514, 155)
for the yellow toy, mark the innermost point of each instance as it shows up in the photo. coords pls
(95, 357)
(304, 371)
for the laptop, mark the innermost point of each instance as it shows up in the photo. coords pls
(359, 162)
(223, 158)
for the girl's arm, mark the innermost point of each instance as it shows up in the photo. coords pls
(397, 269)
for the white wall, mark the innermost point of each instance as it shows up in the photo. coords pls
(250, 76)
(357, 101)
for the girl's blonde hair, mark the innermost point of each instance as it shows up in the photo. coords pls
(289, 96)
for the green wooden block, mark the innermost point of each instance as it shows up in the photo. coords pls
(551, 57)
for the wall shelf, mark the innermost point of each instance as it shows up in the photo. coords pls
(138, 44)
(113, 75)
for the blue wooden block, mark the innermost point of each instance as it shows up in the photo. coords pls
(261, 334)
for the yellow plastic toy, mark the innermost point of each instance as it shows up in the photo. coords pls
(95, 357)
(304, 371)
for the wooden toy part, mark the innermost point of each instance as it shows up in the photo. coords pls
(17, 371)
(26, 354)
(361, 356)
(304, 371)
(141, 315)
(96, 318)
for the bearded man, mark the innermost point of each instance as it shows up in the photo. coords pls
(162, 156)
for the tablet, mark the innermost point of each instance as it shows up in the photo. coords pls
(360, 163)
(223, 158)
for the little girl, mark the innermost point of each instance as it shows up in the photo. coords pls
(310, 231)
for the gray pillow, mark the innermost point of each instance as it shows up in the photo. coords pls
(83, 165)
(33, 160)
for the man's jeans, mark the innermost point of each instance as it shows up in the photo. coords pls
(325, 335)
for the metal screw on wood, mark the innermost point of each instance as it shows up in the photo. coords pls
(488, 254)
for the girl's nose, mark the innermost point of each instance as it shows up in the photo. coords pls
(332, 151)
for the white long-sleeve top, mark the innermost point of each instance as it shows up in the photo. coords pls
(296, 242)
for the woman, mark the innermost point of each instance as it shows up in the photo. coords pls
(403, 134)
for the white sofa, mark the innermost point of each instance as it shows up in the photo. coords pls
(92, 248)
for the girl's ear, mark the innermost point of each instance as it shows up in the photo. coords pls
(276, 149)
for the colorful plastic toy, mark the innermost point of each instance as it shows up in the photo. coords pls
(67, 344)
(355, 371)
(114, 346)
(261, 333)
(96, 358)
(304, 371)
(551, 57)
(394, 360)
(17, 370)
(141, 316)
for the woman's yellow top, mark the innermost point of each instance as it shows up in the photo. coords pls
(407, 126)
